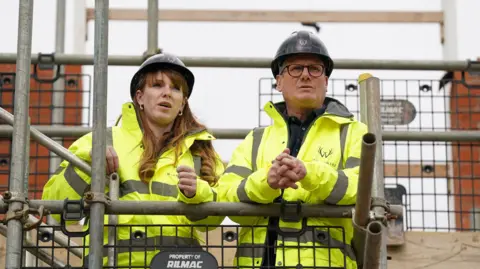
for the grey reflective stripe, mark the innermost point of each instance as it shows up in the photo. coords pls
(151, 244)
(341, 185)
(318, 236)
(197, 164)
(239, 170)
(58, 171)
(352, 162)
(339, 189)
(250, 250)
(74, 180)
(214, 195)
(109, 137)
(164, 189)
(241, 193)
(158, 188)
(343, 141)
(257, 139)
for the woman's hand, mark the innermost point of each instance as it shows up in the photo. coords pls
(187, 180)
(111, 166)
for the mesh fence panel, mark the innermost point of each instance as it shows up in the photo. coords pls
(438, 182)
(139, 244)
(75, 92)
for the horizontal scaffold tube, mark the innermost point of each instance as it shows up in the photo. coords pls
(438, 136)
(210, 209)
(244, 62)
(48, 143)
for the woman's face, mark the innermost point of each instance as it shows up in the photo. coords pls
(162, 99)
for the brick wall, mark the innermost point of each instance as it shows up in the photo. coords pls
(465, 115)
(40, 114)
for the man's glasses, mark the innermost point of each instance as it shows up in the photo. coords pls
(296, 70)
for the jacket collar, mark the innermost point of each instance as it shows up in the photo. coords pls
(331, 108)
(132, 124)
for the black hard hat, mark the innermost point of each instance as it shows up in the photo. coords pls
(302, 42)
(163, 61)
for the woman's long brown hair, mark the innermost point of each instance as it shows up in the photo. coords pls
(183, 126)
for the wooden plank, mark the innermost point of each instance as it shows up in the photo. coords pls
(275, 16)
(436, 250)
(415, 170)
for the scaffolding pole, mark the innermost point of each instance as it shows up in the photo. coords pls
(20, 134)
(370, 114)
(99, 133)
(58, 95)
(76, 131)
(114, 186)
(48, 143)
(152, 27)
(244, 62)
(33, 250)
(121, 207)
(361, 216)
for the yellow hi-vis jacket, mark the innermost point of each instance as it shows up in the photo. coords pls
(145, 241)
(331, 155)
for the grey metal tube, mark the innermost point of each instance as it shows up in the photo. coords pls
(114, 184)
(211, 209)
(28, 259)
(49, 143)
(58, 237)
(100, 86)
(371, 259)
(58, 95)
(77, 131)
(152, 27)
(41, 254)
(365, 180)
(464, 136)
(242, 62)
(364, 194)
(370, 114)
(20, 128)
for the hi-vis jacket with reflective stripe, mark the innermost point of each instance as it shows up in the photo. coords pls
(69, 182)
(331, 154)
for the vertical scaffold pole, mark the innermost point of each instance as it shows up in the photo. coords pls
(58, 95)
(13, 258)
(370, 115)
(99, 132)
(152, 25)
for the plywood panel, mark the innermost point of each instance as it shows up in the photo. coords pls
(437, 250)
(275, 16)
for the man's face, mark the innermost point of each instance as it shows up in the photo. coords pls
(302, 81)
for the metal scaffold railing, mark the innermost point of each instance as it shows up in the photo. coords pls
(245, 62)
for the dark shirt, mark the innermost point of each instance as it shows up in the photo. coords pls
(296, 134)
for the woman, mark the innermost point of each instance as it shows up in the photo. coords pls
(158, 151)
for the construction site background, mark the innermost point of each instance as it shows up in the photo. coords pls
(437, 182)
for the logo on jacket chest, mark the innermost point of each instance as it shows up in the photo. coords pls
(326, 155)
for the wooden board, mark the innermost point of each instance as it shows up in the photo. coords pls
(439, 250)
(275, 16)
(439, 170)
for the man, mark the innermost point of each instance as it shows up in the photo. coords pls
(310, 155)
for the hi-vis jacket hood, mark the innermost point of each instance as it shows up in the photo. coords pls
(69, 182)
(331, 154)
